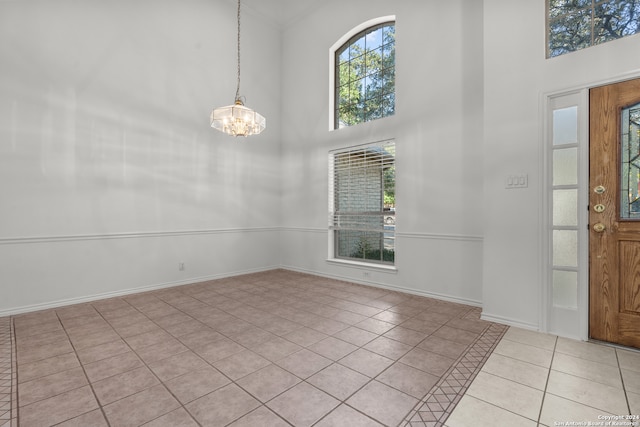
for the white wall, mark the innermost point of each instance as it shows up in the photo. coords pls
(438, 132)
(516, 78)
(109, 172)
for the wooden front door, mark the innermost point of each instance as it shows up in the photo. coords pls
(614, 213)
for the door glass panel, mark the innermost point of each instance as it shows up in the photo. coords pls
(565, 166)
(630, 163)
(565, 207)
(565, 289)
(565, 126)
(565, 248)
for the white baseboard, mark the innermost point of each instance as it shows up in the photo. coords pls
(95, 297)
(434, 295)
(509, 322)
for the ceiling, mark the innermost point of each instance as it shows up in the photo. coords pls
(281, 12)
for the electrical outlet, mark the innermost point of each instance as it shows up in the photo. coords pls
(366, 274)
(181, 266)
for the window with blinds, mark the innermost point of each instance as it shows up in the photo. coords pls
(362, 216)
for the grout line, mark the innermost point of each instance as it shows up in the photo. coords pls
(624, 389)
(546, 384)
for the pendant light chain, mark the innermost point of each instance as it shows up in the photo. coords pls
(237, 119)
(238, 85)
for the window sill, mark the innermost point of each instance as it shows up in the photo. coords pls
(368, 265)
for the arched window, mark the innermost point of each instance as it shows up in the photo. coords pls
(364, 74)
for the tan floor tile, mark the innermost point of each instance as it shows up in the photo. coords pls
(161, 350)
(44, 351)
(41, 368)
(241, 364)
(366, 362)
(141, 407)
(474, 412)
(586, 350)
(304, 363)
(629, 360)
(460, 336)
(443, 347)
(177, 418)
(375, 325)
(339, 381)
(112, 366)
(426, 361)
(93, 419)
(388, 348)
(94, 339)
(406, 336)
(198, 338)
(305, 336)
(303, 405)
(631, 380)
(411, 381)
(593, 371)
(509, 395)
(276, 349)
(382, 403)
(124, 384)
(634, 402)
(343, 415)
(333, 348)
(177, 365)
(391, 317)
(102, 351)
(268, 382)
(516, 370)
(218, 350)
(602, 397)
(195, 384)
(145, 339)
(526, 353)
(260, 417)
(253, 337)
(222, 406)
(51, 385)
(556, 410)
(532, 338)
(59, 408)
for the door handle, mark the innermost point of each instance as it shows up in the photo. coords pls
(599, 227)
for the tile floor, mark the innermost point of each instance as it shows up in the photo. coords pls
(533, 379)
(283, 348)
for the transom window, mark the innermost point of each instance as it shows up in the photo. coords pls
(365, 76)
(576, 24)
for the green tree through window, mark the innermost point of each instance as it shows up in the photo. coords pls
(365, 76)
(576, 24)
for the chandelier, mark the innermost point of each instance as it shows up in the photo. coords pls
(236, 119)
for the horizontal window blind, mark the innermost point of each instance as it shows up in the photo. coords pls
(362, 178)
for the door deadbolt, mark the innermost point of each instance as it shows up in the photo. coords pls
(599, 189)
(599, 208)
(598, 227)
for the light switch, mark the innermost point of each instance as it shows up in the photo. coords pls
(517, 181)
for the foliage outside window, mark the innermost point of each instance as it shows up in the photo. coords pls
(365, 76)
(362, 203)
(577, 24)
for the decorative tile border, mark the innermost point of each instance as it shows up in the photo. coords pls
(8, 376)
(434, 409)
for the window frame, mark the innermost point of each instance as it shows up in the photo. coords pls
(332, 60)
(588, 11)
(337, 218)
